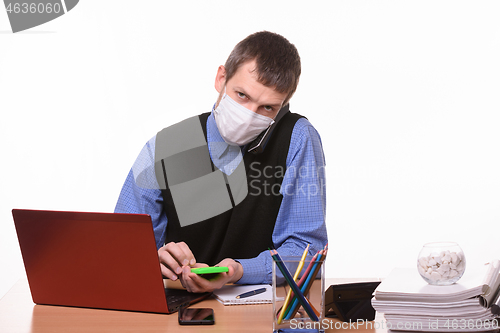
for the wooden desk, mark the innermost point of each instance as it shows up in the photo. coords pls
(18, 314)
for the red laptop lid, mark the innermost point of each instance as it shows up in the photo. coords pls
(96, 260)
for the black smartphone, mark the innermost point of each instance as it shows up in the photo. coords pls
(196, 316)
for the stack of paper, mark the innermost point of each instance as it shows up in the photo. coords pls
(411, 304)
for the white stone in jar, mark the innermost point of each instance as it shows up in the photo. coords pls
(443, 266)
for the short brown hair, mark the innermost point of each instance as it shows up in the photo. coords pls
(277, 60)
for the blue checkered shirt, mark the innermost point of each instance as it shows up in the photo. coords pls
(301, 217)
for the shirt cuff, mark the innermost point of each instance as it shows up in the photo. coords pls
(256, 270)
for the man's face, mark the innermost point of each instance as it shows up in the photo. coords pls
(244, 88)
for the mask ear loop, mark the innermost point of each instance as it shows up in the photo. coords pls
(216, 105)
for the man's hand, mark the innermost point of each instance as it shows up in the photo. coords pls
(173, 257)
(197, 284)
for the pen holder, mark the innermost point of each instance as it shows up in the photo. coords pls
(295, 315)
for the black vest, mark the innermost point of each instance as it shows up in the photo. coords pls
(245, 230)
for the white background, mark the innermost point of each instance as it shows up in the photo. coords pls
(405, 95)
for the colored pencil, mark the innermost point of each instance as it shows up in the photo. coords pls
(308, 283)
(295, 276)
(301, 282)
(288, 277)
(293, 305)
(304, 278)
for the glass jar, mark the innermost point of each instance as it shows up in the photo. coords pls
(441, 263)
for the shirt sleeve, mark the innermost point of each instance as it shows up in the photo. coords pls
(140, 193)
(301, 217)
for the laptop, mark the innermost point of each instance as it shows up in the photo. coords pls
(95, 260)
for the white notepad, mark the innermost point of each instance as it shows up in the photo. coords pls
(227, 294)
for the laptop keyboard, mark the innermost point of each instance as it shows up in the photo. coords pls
(172, 300)
(179, 297)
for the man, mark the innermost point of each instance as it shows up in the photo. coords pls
(273, 185)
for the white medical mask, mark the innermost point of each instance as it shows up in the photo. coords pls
(238, 125)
